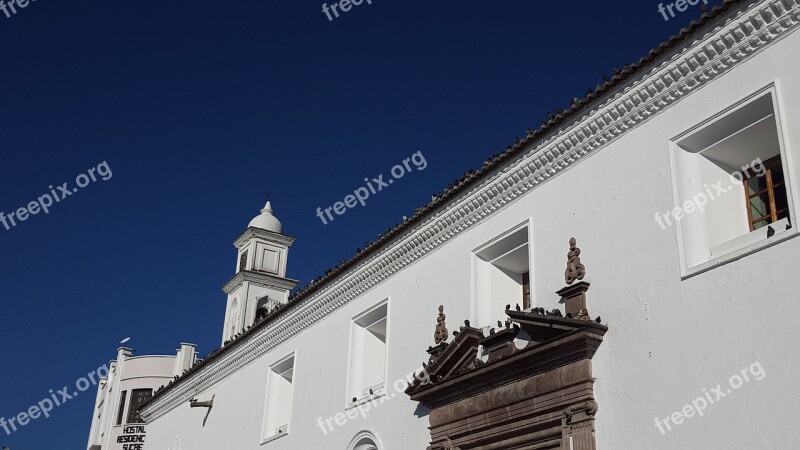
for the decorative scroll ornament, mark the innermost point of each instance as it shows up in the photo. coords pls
(589, 408)
(441, 329)
(575, 270)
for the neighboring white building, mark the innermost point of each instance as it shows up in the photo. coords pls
(689, 305)
(131, 381)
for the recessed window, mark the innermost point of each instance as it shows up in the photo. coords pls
(138, 398)
(731, 193)
(264, 306)
(234, 318)
(278, 409)
(367, 374)
(243, 261)
(526, 290)
(121, 411)
(502, 276)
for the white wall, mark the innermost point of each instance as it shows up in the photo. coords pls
(669, 337)
(126, 373)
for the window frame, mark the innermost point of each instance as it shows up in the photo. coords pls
(123, 399)
(243, 260)
(485, 304)
(130, 418)
(751, 242)
(772, 217)
(266, 434)
(352, 357)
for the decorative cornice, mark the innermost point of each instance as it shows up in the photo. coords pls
(269, 236)
(740, 33)
(259, 279)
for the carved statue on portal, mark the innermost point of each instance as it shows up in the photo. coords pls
(575, 270)
(584, 315)
(441, 329)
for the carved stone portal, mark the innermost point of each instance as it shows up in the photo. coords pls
(539, 396)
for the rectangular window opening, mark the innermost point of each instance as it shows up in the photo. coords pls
(243, 261)
(367, 374)
(730, 185)
(121, 411)
(502, 276)
(280, 391)
(138, 398)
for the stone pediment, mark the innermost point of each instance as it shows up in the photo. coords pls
(526, 384)
(530, 343)
(450, 358)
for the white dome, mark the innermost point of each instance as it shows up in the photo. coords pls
(267, 221)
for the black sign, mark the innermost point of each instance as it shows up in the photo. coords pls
(132, 438)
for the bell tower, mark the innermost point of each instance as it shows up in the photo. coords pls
(260, 284)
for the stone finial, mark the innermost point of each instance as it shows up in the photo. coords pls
(575, 270)
(441, 329)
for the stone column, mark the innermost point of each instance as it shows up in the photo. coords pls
(579, 427)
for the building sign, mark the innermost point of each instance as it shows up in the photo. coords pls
(132, 437)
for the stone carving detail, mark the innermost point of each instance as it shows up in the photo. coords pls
(589, 408)
(441, 328)
(575, 270)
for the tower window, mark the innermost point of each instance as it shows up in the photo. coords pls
(243, 261)
(234, 318)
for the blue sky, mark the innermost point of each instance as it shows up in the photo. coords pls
(200, 108)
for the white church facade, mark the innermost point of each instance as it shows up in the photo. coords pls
(624, 277)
